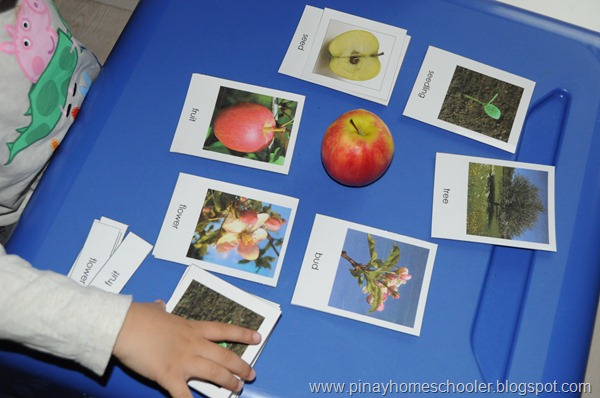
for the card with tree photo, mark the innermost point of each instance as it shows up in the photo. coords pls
(494, 201)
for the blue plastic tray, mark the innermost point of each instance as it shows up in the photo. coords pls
(493, 313)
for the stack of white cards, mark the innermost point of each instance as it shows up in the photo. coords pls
(109, 258)
(202, 296)
(307, 57)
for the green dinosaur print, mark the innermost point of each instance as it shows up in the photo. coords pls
(47, 97)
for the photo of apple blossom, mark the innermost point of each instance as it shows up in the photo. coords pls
(379, 277)
(239, 232)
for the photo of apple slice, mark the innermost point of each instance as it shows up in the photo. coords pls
(355, 55)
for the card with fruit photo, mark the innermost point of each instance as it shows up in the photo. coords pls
(470, 98)
(239, 123)
(201, 296)
(366, 274)
(227, 228)
(494, 201)
(348, 53)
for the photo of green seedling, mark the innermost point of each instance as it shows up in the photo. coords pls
(490, 109)
(481, 103)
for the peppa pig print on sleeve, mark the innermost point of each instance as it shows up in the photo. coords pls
(33, 39)
(46, 75)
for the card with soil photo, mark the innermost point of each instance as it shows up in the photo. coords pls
(203, 297)
(366, 274)
(348, 53)
(227, 228)
(470, 98)
(239, 123)
(494, 201)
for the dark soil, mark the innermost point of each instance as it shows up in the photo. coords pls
(201, 303)
(459, 110)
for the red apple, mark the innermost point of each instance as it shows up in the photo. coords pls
(245, 127)
(357, 148)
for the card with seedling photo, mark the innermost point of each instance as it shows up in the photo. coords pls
(239, 123)
(366, 274)
(494, 201)
(227, 228)
(201, 296)
(348, 53)
(470, 98)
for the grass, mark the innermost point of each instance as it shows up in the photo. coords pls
(484, 191)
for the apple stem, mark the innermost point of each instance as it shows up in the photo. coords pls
(276, 129)
(358, 131)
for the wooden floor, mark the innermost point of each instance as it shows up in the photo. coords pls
(95, 24)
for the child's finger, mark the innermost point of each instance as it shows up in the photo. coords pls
(178, 390)
(216, 331)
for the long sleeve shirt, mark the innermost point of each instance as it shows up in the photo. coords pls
(49, 312)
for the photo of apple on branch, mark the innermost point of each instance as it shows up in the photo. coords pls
(357, 148)
(251, 126)
(355, 55)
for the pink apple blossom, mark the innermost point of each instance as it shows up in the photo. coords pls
(243, 235)
(274, 224)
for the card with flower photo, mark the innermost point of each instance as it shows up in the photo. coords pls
(366, 274)
(201, 296)
(470, 98)
(227, 228)
(494, 201)
(239, 123)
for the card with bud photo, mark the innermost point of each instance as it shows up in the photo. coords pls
(227, 228)
(366, 274)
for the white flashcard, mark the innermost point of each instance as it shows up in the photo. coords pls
(119, 225)
(369, 275)
(494, 201)
(239, 123)
(227, 228)
(97, 249)
(119, 268)
(470, 98)
(347, 53)
(202, 296)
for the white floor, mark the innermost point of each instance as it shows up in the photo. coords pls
(584, 13)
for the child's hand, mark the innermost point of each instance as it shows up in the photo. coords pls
(172, 350)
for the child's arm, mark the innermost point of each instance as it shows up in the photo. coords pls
(52, 313)
(172, 350)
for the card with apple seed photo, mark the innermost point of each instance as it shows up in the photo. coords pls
(348, 53)
(239, 123)
(470, 98)
(369, 275)
(494, 201)
(204, 297)
(227, 228)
